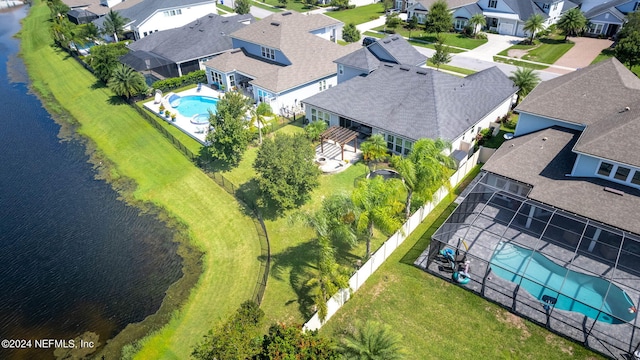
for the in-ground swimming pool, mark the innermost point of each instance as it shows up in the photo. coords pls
(573, 291)
(191, 105)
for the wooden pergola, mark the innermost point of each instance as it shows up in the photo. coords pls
(341, 136)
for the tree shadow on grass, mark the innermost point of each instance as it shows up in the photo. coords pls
(117, 100)
(99, 84)
(299, 261)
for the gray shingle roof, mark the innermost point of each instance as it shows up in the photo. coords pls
(607, 6)
(596, 97)
(416, 102)
(568, 5)
(473, 8)
(139, 10)
(401, 50)
(312, 58)
(525, 9)
(543, 158)
(206, 36)
(452, 4)
(360, 59)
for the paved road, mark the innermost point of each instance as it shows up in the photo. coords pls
(259, 12)
(476, 64)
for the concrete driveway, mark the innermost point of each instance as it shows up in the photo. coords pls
(495, 44)
(581, 54)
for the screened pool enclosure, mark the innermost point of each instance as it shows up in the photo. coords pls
(575, 276)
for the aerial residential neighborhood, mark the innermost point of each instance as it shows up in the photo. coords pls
(410, 179)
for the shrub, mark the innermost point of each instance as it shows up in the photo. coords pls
(481, 35)
(195, 77)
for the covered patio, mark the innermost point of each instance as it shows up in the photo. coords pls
(330, 154)
(575, 276)
(339, 136)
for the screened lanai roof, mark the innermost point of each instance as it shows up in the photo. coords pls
(556, 268)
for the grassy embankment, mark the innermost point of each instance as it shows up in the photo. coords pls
(212, 219)
(440, 320)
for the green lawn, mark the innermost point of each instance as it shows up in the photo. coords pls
(359, 15)
(440, 320)
(604, 55)
(225, 8)
(161, 176)
(547, 50)
(451, 39)
(519, 63)
(296, 5)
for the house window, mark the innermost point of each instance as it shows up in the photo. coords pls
(340, 69)
(268, 53)
(216, 77)
(264, 96)
(322, 85)
(398, 145)
(459, 24)
(408, 145)
(173, 12)
(636, 178)
(390, 139)
(622, 173)
(320, 115)
(595, 28)
(145, 33)
(232, 81)
(605, 169)
(493, 4)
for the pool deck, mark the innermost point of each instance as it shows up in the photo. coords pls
(486, 226)
(198, 132)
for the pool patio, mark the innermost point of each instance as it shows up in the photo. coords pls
(487, 215)
(198, 132)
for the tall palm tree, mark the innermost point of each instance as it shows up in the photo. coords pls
(114, 24)
(126, 82)
(374, 148)
(477, 19)
(572, 22)
(525, 79)
(424, 170)
(258, 114)
(534, 24)
(377, 202)
(372, 341)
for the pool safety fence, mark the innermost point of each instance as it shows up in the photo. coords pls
(491, 226)
(381, 254)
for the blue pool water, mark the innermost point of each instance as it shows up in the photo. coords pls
(191, 105)
(574, 291)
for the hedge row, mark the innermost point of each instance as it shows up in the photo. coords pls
(195, 77)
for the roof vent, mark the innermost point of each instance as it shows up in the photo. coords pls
(421, 72)
(404, 68)
(286, 13)
(275, 23)
(394, 38)
(235, 51)
(225, 21)
(210, 16)
(627, 108)
(386, 41)
(201, 30)
(545, 138)
(613, 191)
(388, 65)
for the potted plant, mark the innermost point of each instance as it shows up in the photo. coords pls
(161, 108)
(173, 117)
(167, 113)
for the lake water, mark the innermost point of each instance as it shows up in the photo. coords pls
(73, 257)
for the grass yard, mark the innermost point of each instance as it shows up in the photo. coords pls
(525, 64)
(359, 15)
(451, 39)
(547, 50)
(163, 177)
(276, 6)
(440, 320)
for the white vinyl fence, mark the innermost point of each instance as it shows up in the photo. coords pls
(389, 246)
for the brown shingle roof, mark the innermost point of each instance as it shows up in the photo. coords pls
(596, 97)
(311, 57)
(543, 158)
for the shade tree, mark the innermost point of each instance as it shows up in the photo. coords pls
(229, 136)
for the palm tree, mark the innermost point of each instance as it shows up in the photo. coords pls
(477, 19)
(534, 24)
(114, 24)
(425, 170)
(572, 22)
(374, 148)
(372, 341)
(377, 201)
(525, 79)
(126, 82)
(258, 114)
